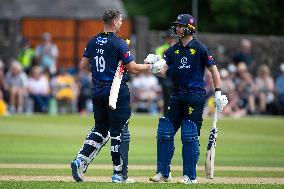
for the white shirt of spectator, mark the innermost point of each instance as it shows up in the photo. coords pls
(39, 86)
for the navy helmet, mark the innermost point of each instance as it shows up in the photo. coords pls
(188, 21)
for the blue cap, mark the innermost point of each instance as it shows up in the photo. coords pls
(186, 20)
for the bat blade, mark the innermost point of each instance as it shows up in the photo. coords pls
(210, 155)
(210, 162)
(113, 95)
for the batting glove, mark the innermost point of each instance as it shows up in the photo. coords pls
(220, 101)
(157, 66)
(151, 59)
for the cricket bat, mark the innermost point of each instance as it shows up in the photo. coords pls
(210, 155)
(115, 86)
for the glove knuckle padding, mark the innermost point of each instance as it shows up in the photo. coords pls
(158, 66)
(190, 148)
(124, 148)
(165, 145)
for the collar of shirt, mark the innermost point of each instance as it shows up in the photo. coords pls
(107, 33)
(190, 44)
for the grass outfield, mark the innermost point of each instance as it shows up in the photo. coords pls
(246, 142)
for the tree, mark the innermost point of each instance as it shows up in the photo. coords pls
(230, 16)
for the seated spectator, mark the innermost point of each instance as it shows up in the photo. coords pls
(16, 80)
(85, 92)
(233, 108)
(280, 90)
(3, 107)
(26, 55)
(265, 88)
(65, 91)
(39, 91)
(146, 93)
(245, 88)
(232, 69)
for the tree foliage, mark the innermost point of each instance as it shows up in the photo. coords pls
(230, 16)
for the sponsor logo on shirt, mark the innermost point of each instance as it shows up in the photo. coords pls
(101, 40)
(184, 63)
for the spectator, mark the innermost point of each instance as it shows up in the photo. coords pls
(265, 89)
(232, 69)
(169, 40)
(47, 53)
(16, 80)
(145, 88)
(3, 109)
(85, 92)
(280, 90)
(233, 108)
(3, 85)
(245, 88)
(227, 84)
(245, 55)
(26, 55)
(39, 91)
(65, 90)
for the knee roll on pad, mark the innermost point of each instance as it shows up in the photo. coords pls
(190, 148)
(165, 145)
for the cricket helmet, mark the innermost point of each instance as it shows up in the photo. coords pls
(188, 21)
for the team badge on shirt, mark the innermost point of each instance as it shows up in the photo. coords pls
(192, 51)
(177, 51)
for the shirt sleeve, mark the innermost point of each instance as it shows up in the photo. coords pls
(124, 52)
(207, 57)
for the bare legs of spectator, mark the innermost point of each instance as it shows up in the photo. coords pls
(262, 102)
(17, 99)
(251, 102)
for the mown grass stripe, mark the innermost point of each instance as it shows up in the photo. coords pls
(138, 167)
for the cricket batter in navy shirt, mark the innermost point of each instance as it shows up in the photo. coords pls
(186, 62)
(101, 57)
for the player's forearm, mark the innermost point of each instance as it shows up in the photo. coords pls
(134, 68)
(85, 64)
(215, 77)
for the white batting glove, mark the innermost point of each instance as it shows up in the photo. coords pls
(151, 59)
(157, 66)
(220, 101)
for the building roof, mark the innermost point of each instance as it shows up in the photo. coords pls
(15, 9)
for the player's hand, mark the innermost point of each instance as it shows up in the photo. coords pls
(151, 59)
(220, 101)
(157, 66)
